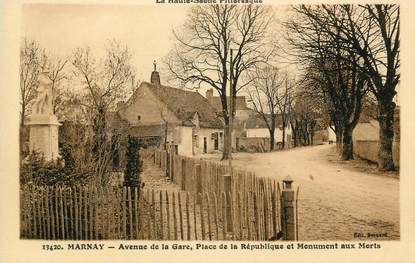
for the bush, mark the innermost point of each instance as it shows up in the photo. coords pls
(134, 164)
(36, 170)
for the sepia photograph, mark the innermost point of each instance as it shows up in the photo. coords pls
(210, 121)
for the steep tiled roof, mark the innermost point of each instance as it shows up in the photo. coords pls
(240, 103)
(147, 131)
(255, 121)
(184, 104)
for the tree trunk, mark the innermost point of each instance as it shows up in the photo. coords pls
(339, 139)
(227, 143)
(294, 133)
(22, 138)
(271, 139)
(306, 138)
(312, 138)
(22, 114)
(385, 158)
(337, 132)
(283, 136)
(347, 149)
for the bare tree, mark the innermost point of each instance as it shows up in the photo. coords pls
(164, 122)
(202, 52)
(334, 69)
(284, 101)
(263, 95)
(373, 33)
(57, 74)
(303, 118)
(32, 62)
(105, 83)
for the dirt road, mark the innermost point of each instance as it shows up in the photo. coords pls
(335, 201)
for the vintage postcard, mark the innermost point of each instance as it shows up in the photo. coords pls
(209, 130)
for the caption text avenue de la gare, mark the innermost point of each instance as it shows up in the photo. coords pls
(216, 246)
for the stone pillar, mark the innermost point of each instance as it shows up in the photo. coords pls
(288, 212)
(43, 123)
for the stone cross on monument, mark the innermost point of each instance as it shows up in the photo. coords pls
(43, 123)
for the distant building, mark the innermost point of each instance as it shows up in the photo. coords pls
(366, 138)
(159, 114)
(255, 126)
(242, 112)
(331, 135)
(249, 128)
(368, 128)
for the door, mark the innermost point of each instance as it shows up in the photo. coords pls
(204, 145)
(216, 142)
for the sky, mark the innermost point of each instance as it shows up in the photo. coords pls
(144, 29)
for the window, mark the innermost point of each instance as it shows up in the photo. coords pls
(214, 136)
(138, 117)
(196, 141)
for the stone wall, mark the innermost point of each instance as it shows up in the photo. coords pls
(253, 144)
(368, 150)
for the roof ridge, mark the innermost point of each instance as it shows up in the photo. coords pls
(170, 87)
(152, 90)
(181, 103)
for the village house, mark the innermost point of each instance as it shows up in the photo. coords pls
(160, 114)
(257, 133)
(366, 138)
(250, 130)
(242, 112)
(256, 127)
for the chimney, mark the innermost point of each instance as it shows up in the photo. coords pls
(209, 96)
(155, 76)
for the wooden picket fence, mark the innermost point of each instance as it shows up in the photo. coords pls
(214, 203)
(198, 176)
(86, 213)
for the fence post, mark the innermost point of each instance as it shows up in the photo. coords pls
(183, 179)
(228, 192)
(168, 171)
(172, 168)
(198, 174)
(164, 165)
(288, 213)
(159, 152)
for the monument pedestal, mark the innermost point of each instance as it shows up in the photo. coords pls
(43, 136)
